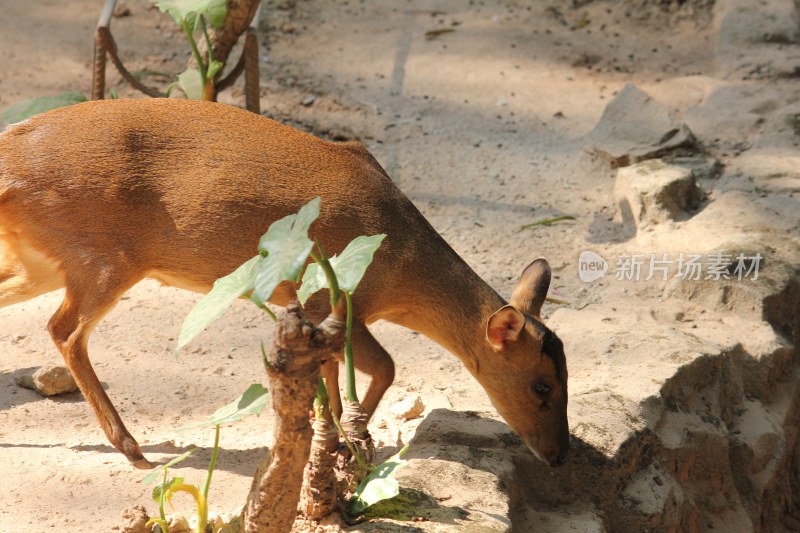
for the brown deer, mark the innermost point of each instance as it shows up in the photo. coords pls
(97, 196)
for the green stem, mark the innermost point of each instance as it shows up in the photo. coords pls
(211, 465)
(264, 308)
(264, 358)
(356, 453)
(349, 366)
(208, 39)
(321, 399)
(199, 58)
(161, 512)
(330, 275)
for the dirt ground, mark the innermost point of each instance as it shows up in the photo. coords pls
(477, 110)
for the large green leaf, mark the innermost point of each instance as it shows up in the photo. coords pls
(188, 10)
(349, 267)
(158, 473)
(27, 108)
(287, 246)
(191, 83)
(226, 290)
(379, 485)
(251, 402)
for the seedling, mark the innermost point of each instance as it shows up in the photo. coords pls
(195, 16)
(251, 402)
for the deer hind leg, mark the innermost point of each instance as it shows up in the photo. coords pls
(330, 373)
(24, 271)
(86, 301)
(370, 357)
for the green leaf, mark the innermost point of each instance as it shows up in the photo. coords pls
(287, 246)
(166, 488)
(189, 10)
(379, 485)
(349, 267)
(214, 67)
(191, 83)
(226, 290)
(217, 9)
(158, 472)
(27, 108)
(251, 402)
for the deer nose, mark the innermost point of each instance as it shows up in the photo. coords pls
(560, 459)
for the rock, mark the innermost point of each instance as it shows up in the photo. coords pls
(47, 380)
(452, 482)
(408, 409)
(654, 192)
(704, 167)
(134, 520)
(179, 524)
(634, 127)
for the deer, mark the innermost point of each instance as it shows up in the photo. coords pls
(97, 196)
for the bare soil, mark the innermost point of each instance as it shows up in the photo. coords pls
(478, 111)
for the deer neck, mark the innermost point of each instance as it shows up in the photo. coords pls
(450, 304)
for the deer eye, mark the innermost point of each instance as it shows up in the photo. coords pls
(542, 389)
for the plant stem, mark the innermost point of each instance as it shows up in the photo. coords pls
(161, 512)
(321, 399)
(208, 84)
(325, 265)
(213, 463)
(199, 58)
(349, 366)
(353, 450)
(208, 39)
(200, 502)
(264, 308)
(202, 511)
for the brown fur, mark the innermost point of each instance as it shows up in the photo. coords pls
(97, 196)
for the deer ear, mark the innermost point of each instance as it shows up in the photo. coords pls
(504, 327)
(531, 289)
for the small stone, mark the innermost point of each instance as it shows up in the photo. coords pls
(179, 524)
(287, 27)
(47, 380)
(308, 100)
(408, 409)
(134, 520)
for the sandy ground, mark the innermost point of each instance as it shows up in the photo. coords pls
(481, 126)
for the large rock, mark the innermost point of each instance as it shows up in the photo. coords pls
(653, 192)
(460, 476)
(634, 127)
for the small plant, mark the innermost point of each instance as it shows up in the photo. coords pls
(379, 485)
(251, 402)
(195, 17)
(283, 252)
